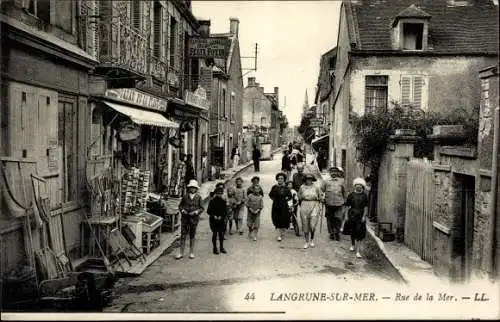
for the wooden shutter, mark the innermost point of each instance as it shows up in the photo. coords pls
(418, 83)
(157, 29)
(136, 14)
(405, 90)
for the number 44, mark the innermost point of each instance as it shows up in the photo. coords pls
(250, 296)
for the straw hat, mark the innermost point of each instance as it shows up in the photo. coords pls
(193, 184)
(359, 181)
(309, 176)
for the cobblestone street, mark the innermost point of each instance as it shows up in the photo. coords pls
(220, 283)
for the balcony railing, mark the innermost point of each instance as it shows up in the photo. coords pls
(158, 69)
(123, 47)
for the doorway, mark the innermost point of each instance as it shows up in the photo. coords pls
(462, 244)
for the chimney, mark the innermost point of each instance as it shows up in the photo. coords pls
(261, 88)
(276, 91)
(251, 81)
(204, 29)
(234, 26)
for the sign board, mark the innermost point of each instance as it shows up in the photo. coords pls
(136, 97)
(213, 47)
(197, 98)
(218, 156)
(315, 122)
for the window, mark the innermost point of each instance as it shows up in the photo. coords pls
(344, 160)
(39, 8)
(64, 15)
(173, 40)
(223, 99)
(157, 29)
(375, 93)
(485, 87)
(135, 14)
(231, 107)
(331, 63)
(412, 91)
(413, 36)
(68, 142)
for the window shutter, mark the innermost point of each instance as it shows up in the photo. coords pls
(405, 90)
(136, 14)
(95, 31)
(418, 83)
(157, 28)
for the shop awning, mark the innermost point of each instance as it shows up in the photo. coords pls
(321, 141)
(143, 117)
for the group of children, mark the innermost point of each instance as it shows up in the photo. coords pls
(225, 206)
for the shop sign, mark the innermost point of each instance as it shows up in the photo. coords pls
(136, 97)
(213, 47)
(315, 122)
(197, 98)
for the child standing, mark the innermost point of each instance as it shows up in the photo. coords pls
(190, 208)
(293, 204)
(237, 204)
(217, 211)
(255, 203)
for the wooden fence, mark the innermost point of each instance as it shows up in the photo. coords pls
(419, 208)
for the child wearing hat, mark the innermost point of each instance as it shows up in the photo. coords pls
(357, 211)
(190, 208)
(238, 204)
(255, 203)
(217, 212)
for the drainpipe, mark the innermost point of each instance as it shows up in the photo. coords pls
(494, 190)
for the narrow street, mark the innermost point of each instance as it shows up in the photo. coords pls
(252, 270)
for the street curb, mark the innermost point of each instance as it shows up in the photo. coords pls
(381, 247)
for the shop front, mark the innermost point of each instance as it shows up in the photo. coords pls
(192, 115)
(131, 219)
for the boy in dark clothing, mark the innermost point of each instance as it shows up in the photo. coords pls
(256, 158)
(217, 212)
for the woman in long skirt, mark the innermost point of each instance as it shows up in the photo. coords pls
(280, 194)
(310, 198)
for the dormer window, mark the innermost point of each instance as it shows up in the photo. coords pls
(413, 34)
(410, 29)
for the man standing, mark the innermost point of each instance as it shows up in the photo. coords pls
(256, 158)
(235, 156)
(335, 197)
(190, 172)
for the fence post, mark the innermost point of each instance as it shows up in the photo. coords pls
(403, 141)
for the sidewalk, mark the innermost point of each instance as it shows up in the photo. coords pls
(409, 265)
(406, 262)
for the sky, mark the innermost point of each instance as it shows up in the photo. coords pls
(291, 37)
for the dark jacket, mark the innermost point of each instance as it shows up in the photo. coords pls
(285, 163)
(189, 205)
(190, 173)
(297, 180)
(217, 207)
(256, 154)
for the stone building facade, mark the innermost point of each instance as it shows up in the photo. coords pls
(384, 61)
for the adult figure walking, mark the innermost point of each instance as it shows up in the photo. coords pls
(235, 156)
(286, 165)
(280, 194)
(256, 158)
(310, 198)
(357, 211)
(335, 196)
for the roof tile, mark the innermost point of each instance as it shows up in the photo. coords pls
(468, 29)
